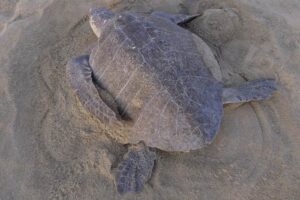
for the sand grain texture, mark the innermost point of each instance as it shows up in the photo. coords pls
(51, 148)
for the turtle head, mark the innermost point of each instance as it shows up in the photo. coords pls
(98, 18)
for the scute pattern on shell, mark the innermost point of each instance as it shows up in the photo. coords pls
(153, 69)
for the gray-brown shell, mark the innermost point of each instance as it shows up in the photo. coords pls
(154, 71)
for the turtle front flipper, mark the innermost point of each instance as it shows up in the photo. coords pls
(79, 74)
(176, 18)
(135, 169)
(254, 90)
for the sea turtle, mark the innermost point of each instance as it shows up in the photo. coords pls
(148, 83)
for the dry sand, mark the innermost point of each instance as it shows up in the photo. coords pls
(51, 148)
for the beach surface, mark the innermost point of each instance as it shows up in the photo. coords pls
(51, 148)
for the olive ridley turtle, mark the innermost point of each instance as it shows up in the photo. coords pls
(147, 81)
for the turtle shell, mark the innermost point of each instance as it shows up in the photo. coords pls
(153, 69)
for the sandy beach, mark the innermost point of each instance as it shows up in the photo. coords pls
(52, 148)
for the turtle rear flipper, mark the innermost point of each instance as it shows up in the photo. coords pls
(135, 169)
(79, 74)
(254, 90)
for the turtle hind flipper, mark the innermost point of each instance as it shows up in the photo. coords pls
(254, 90)
(135, 169)
(79, 74)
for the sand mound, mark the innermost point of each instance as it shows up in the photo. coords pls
(51, 148)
